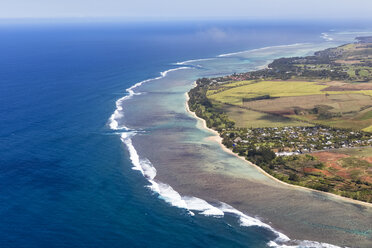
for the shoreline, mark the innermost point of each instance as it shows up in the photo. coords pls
(216, 138)
(200, 169)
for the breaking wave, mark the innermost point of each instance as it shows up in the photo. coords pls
(191, 61)
(194, 205)
(191, 204)
(261, 49)
(326, 37)
(118, 113)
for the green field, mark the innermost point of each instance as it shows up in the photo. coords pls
(368, 129)
(292, 103)
(252, 119)
(314, 106)
(232, 93)
(357, 152)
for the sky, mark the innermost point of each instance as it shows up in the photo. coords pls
(188, 9)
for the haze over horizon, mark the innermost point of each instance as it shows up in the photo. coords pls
(191, 9)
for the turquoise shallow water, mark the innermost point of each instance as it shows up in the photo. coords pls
(66, 177)
(180, 161)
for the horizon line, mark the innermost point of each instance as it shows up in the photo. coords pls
(162, 19)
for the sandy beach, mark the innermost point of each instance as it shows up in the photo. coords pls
(298, 212)
(194, 166)
(216, 138)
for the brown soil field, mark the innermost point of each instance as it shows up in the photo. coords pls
(339, 86)
(348, 62)
(368, 159)
(329, 156)
(333, 163)
(287, 105)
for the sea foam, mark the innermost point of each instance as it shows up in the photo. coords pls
(302, 244)
(261, 49)
(118, 113)
(165, 191)
(326, 37)
(190, 203)
(192, 61)
(200, 206)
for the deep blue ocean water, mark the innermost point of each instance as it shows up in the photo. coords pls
(65, 177)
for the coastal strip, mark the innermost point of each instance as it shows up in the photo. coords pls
(216, 138)
(273, 202)
(194, 205)
(165, 192)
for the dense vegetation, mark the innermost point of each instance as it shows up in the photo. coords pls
(351, 62)
(284, 151)
(203, 108)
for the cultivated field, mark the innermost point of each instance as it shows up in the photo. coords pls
(244, 117)
(335, 103)
(301, 118)
(236, 92)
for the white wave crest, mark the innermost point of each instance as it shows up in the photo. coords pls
(246, 220)
(326, 37)
(191, 61)
(302, 244)
(261, 49)
(164, 73)
(133, 155)
(119, 112)
(165, 191)
(168, 194)
(204, 208)
(190, 203)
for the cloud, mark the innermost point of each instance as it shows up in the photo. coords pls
(213, 33)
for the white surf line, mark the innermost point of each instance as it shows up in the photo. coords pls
(202, 207)
(165, 191)
(262, 49)
(354, 33)
(326, 37)
(190, 203)
(119, 112)
(239, 52)
(191, 61)
(303, 244)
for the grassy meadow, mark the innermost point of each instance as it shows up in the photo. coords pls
(295, 103)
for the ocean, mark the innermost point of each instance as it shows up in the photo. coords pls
(97, 149)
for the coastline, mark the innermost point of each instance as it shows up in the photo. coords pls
(216, 138)
(303, 214)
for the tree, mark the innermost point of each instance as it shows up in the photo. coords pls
(294, 177)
